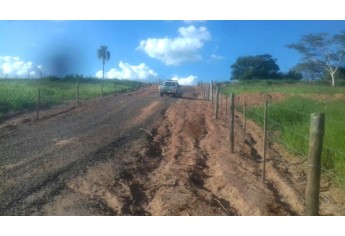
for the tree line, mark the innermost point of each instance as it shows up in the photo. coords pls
(323, 57)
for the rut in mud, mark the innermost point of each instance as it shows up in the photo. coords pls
(141, 154)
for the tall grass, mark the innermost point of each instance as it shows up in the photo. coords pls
(20, 94)
(289, 121)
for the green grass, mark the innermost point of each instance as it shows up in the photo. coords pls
(21, 94)
(281, 86)
(290, 120)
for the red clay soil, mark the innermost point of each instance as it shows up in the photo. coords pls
(166, 156)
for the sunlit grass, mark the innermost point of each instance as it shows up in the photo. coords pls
(289, 120)
(281, 86)
(21, 94)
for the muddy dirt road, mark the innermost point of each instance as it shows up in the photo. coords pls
(140, 154)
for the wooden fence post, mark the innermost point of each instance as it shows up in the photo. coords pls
(221, 99)
(317, 125)
(38, 103)
(204, 94)
(226, 109)
(102, 88)
(244, 122)
(265, 140)
(208, 92)
(217, 98)
(211, 91)
(231, 123)
(77, 93)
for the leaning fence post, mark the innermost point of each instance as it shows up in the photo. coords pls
(317, 125)
(265, 140)
(38, 103)
(232, 116)
(217, 98)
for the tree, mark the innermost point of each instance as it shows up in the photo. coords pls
(310, 70)
(104, 55)
(339, 75)
(292, 75)
(255, 67)
(326, 51)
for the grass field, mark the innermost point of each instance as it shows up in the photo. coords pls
(289, 119)
(21, 94)
(281, 86)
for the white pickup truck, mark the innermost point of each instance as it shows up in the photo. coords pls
(171, 87)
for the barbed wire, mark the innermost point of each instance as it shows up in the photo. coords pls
(331, 174)
(334, 121)
(287, 145)
(287, 164)
(253, 109)
(284, 108)
(325, 171)
(334, 150)
(253, 105)
(306, 114)
(285, 127)
(256, 113)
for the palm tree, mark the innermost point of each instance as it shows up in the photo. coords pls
(104, 55)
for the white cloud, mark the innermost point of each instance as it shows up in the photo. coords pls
(194, 33)
(193, 21)
(177, 50)
(189, 80)
(15, 67)
(214, 57)
(127, 71)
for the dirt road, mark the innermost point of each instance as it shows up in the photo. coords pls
(140, 154)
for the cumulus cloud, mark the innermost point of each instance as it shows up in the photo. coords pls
(127, 71)
(15, 67)
(189, 80)
(174, 51)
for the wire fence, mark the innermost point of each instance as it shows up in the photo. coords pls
(296, 142)
(290, 128)
(20, 95)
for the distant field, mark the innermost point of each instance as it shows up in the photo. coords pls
(21, 94)
(290, 119)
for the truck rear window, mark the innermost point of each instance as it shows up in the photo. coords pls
(170, 83)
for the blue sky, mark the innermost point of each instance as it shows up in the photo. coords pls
(146, 50)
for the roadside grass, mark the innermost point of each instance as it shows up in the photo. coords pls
(289, 121)
(21, 94)
(284, 86)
